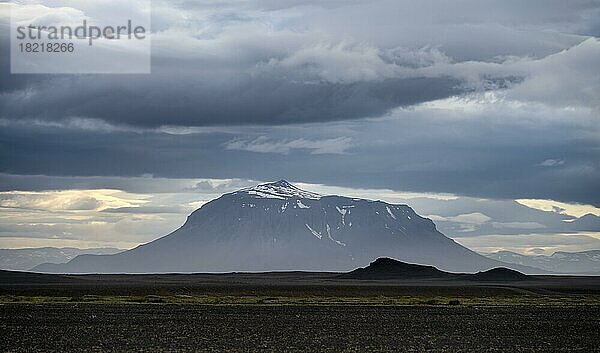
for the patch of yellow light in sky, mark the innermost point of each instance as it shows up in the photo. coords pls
(196, 204)
(71, 200)
(595, 235)
(571, 209)
(98, 223)
(532, 243)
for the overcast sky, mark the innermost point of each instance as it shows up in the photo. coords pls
(485, 102)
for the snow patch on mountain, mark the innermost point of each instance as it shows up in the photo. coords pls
(343, 212)
(314, 232)
(390, 212)
(284, 207)
(331, 238)
(301, 205)
(265, 195)
(281, 190)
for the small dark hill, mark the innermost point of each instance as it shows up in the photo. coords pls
(498, 274)
(390, 269)
(386, 268)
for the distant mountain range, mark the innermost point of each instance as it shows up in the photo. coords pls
(584, 262)
(279, 227)
(27, 258)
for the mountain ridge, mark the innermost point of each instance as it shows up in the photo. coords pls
(24, 259)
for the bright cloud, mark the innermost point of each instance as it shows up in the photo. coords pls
(70, 200)
(532, 243)
(572, 209)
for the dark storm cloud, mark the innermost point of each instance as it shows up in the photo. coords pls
(122, 100)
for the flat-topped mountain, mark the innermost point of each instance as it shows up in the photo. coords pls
(277, 227)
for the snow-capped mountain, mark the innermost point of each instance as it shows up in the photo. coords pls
(277, 226)
(560, 261)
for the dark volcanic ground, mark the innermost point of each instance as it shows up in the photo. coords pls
(283, 283)
(296, 328)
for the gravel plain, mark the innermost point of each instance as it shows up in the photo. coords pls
(296, 328)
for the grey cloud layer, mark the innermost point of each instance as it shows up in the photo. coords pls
(501, 99)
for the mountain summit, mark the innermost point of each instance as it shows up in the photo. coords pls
(277, 226)
(281, 189)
